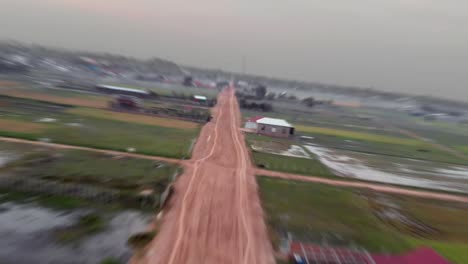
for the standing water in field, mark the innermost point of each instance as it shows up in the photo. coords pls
(393, 170)
(28, 235)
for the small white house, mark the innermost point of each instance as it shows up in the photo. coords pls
(274, 127)
(251, 123)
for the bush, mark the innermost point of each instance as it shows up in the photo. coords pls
(140, 240)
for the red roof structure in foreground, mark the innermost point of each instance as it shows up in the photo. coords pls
(311, 253)
(422, 255)
(254, 118)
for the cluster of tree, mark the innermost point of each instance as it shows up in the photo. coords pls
(258, 92)
(311, 102)
(265, 107)
(435, 109)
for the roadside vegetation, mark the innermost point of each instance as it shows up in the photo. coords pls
(74, 166)
(49, 201)
(320, 214)
(114, 180)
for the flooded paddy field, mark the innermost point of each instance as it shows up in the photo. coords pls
(67, 206)
(393, 170)
(30, 234)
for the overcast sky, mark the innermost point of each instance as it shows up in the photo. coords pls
(417, 46)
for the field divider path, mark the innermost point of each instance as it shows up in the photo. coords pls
(96, 150)
(364, 185)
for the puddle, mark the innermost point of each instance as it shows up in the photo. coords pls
(74, 124)
(27, 235)
(292, 151)
(46, 120)
(393, 170)
(7, 157)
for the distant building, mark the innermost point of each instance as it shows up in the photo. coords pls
(274, 127)
(200, 99)
(110, 89)
(127, 102)
(251, 123)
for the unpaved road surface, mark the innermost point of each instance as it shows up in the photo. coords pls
(215, 214)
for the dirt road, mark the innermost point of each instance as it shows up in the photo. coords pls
(364, 185)
(215, 214)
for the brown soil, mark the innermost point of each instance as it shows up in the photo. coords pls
(77, 101)
(8, 83)
(20, 126)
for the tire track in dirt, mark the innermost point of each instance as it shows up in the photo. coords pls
(242, 172)
(181, 226)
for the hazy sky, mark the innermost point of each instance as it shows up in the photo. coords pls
(417, 46)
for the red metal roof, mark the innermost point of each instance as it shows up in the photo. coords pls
(254, 118)
(329, 255)
(422, 255)
(337, 255)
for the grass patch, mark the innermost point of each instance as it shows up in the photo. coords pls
(140, 240)
(86, 225)
(423, 151)
(96, 132)
(107, 134)
(110, 261)
(54, 202)
(284, 163)
(76, 100)
(345, 216)
(312, 212)
(463, 149)
(133, 118)
(446, 218)
(8, 125)
(358, 135)
(98, 169)
(304, 166)
(61, 202)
